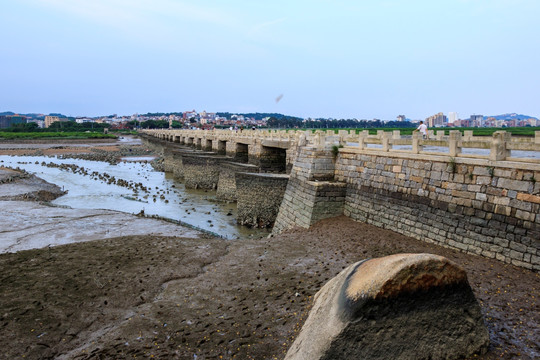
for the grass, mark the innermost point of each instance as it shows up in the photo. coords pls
(55, 135)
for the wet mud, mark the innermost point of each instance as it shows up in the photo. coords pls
(19, 185)
(175, 298)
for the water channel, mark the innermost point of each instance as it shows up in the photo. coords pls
(132, 187)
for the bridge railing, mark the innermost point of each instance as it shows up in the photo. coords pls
(500, 146)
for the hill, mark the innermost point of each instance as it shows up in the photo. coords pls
(511, 116)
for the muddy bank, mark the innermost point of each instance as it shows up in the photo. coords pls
(108, 150)
(33, 225)
(168, 297)
(19, 185)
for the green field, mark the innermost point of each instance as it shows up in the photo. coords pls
(54, 135)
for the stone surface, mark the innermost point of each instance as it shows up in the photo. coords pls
(259, 197)
(405, 306)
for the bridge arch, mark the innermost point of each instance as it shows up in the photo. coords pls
(242, 153)
(273, 159)
(222, 147)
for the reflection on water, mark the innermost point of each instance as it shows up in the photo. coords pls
(160, 194)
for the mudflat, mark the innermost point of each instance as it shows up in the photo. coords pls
(184, 297)
(171, 297)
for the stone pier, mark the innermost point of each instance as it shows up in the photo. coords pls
(259, 197)
(226, 189)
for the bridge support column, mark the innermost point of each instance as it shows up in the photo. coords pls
(226, 189)
(168, 160)
(201, 171)
(311, 193)
(259, 198)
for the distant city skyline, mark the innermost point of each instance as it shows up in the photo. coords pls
(324, 59)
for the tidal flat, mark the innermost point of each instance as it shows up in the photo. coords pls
(179, 295)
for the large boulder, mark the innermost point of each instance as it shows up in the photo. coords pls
(405, 306)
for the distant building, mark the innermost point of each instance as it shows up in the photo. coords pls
(40, 123)
(532, 122)
(401, 118)
(8, 120)
(207, 118)
(436, 120)
(452, 117)
(186, 115)
(83, 120)
(50, 119)
(477, 120)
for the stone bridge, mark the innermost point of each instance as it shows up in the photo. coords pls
(480, 195)
(272, 151)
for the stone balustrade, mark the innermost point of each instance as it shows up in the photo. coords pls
(497, 147)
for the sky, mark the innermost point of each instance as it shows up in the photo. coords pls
(360, 59)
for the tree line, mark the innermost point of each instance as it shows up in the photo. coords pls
(292, 123)
(68, 126)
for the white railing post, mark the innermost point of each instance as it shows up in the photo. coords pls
(386, 141)
(416, 147)
(454, 139)
(439, 135)
(498, 146)
(361, 140)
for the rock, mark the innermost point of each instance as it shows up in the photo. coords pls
(404, 306)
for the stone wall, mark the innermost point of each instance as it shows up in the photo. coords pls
(259, 197)
(306, 202)
(168, 160)
(489, 208)
(311, 193)
(201, 171)
(177, 167)
(226, 189)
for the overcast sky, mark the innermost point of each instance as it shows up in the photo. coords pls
(341, 59)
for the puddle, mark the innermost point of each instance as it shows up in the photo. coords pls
(133, 187)
(138, 158)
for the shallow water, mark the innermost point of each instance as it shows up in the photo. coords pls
(94, 185)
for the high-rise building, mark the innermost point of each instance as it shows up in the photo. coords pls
(477, 120)
(50, 119)
(436, 120)
(401, 118)
(452, 117)
(8, 120)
